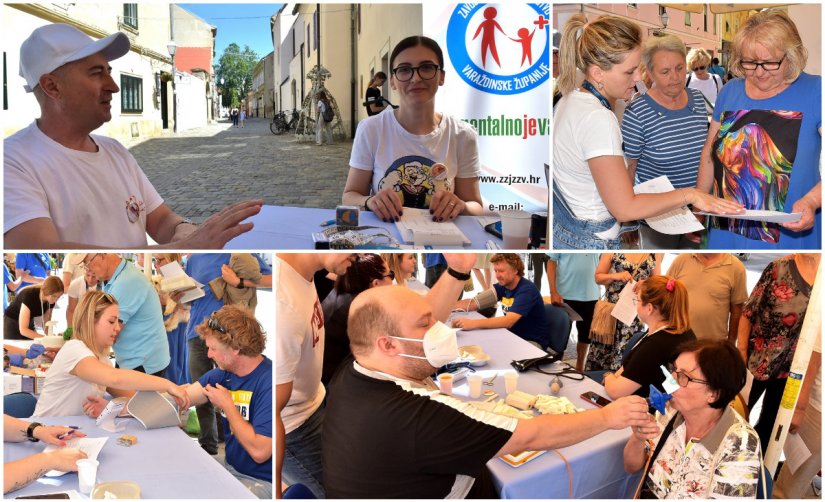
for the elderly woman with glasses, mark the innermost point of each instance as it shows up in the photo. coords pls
(664, 131)
(414, 156)
(703, 448)
(701, 78)
(82, 372)
(764, 142)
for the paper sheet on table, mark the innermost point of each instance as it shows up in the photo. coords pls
(625, 309)
(417, 226)
(761, 215)
(90, 446)
(574, 316)
(106, 419)
(678, 221)
(173, 269)
(796, 452)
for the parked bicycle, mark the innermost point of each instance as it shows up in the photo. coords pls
(280, 124)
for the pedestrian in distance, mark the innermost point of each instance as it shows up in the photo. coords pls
(323, 121)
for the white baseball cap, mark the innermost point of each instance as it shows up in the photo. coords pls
(50, 47)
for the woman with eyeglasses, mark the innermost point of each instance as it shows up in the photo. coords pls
(37, 300)
(662, 304)
(701, 447)
(764, 142)
(367, 271)
(701, 78)
(82, 372)
(592, 189)
(414, 156)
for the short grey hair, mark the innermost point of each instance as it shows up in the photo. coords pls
(661, 43)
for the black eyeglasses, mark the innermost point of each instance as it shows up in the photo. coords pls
(86, 260)
(213, 324)
(426, 71)
(766, 65)
(682, 378)
(391, 275)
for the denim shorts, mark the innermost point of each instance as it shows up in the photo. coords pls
(570, 232)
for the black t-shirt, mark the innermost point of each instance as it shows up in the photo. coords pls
(372, 99)
(387, 439)
(642, 363)
(336, 340)
(30, 297)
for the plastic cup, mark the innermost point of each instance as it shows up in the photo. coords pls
(510, 382)
(515, 229)
(474, 381)
(86, 474)
(445, 383)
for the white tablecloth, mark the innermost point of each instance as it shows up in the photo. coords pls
(282, 227)
(166, 463)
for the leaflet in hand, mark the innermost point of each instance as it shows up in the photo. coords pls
(675, 222)
(761, 215)
(90, 446)
(175, 279)
(625, 308)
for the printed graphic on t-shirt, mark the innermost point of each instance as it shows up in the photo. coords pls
(506, 303)
(317, 322)
(753, 156)
(415, 179)
(241, 399)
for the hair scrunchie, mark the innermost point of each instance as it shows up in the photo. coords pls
(671, 285)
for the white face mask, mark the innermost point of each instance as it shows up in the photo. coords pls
(440, 345)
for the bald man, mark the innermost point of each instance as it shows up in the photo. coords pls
(390, 434)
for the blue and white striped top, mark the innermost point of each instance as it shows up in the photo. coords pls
(665, 142)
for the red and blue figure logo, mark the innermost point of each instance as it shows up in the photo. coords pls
(501, 48)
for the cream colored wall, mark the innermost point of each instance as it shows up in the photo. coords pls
(190, 30)
(808, 19)
(336, 56)
(382, 26)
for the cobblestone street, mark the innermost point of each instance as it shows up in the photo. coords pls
(200, 171)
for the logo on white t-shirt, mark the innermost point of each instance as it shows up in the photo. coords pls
(133, 208)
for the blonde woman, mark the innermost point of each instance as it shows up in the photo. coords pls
(32, 301)
(592, 191)
(82, 368)
(402, 265)
(701, 78)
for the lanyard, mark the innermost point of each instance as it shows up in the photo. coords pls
(603, 100)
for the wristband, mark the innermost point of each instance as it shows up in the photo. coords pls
(30, 431)
(463, 277)
(366, 203)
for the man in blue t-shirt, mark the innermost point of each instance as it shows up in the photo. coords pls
(204, 267)
(32, 267)
(521, 303)
(241, 387)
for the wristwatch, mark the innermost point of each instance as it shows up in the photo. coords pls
(241, 284)
(458, 275)
(30, 431)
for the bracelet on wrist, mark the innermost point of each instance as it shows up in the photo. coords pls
(458, 275)
(367, 203)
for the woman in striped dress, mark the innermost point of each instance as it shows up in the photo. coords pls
(664, 131)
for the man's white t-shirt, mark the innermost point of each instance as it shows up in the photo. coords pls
(98, 198)
(63, 393)
(413, 165)
(583, 129)
(78, 288)
(299, 344)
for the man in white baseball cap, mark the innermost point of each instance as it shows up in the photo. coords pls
(66, 188)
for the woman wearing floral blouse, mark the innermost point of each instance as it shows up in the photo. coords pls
(769, 329)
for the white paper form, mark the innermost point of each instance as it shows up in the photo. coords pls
(675, 222)
(417, 226)
(796, 452)
(106, 419)
(625, 308)
(90, 446)
(173, 269)
(760, 215)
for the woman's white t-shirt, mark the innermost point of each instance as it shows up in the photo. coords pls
(707, 87)
(63, 393)
(413, 165)
(583, 129)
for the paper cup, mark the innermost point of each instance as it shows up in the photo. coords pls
(86, 474)
(510, 382)
(445, 383)
(515, 229)
(474, 382)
